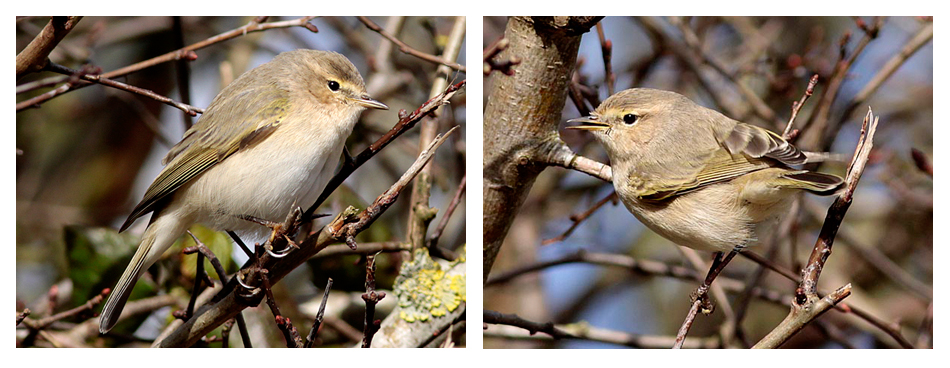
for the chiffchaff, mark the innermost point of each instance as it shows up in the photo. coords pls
(694, 176)
(270, 141)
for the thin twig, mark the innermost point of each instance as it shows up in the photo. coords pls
(318, 320)
(606, 49)
(344, 227)
(819, 255)
(923, 37)
(187, 53)
(371, 298)
(701, 301)
(223, 277)
(459, 195)
(577, 219)
(406, 122)
(581, 331)
(188, 109)
(759, 107)
(406, 49)
(797, 106)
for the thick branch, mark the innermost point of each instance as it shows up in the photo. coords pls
(345, 227)
(35, 56)
(522, 115)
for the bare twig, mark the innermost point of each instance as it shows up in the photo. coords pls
(406, 122)
(344, 227)
(371, 297)
(45, 322)
(606, 48)
(223, 277)
(188, 109)
(759, 107)
(821, 135)
(564, 157)
(459, 195)
(318, 320)
(34, 57)
(577, 219)
(799, 317)
(923, 37)
(406, 49)
(580, 331)
(187, 53)
(808, 305)
(819, 255)
(797, 106)
(701, 301)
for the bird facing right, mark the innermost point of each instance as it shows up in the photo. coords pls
(695, 176)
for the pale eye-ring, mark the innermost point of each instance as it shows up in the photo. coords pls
(630, 119)
(333, 85)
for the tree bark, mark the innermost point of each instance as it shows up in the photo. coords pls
(522, 116)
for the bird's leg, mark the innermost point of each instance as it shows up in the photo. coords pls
(718, 264)
(251, 256)
(279, 232)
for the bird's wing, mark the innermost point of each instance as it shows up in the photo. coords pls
(746, 148)
(248, 118)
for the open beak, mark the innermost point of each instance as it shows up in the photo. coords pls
(369, 102)
(588, 123)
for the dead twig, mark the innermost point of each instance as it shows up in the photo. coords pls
(406, 49)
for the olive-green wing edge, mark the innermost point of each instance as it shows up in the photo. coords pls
(192, 163)
(747, 148)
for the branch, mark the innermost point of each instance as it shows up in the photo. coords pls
(406, 49)
(808, 305)
(406, 122)
(577, 219)
(371, 297)
(343, 228)
(188, 109)
(923, 37)
(582, 331)
(35, 56)
(520, 124)
(186, 53)
(318, 320)
(799, 317)
(826, 238)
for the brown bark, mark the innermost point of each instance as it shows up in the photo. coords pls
(522, 115)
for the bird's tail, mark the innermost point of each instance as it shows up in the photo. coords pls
(815, 182)
(155, 241)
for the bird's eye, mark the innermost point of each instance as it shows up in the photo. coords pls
(630, 119)
(333, 85)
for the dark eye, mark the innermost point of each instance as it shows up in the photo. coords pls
(333, 85)
(629, 119)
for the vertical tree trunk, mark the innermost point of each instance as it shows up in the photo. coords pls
(522, 116)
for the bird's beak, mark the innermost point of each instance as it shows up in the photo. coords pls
(368, 102)
(588, 123)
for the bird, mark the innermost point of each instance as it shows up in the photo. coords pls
(268, 143)
(694, 176)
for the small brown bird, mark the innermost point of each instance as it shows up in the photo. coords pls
(269, 142)
(693, 175)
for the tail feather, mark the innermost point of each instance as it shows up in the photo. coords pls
(120, 294)
(815, 182)
(159, 236)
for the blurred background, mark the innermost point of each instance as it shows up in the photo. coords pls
(85, 158)
(884, 247)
